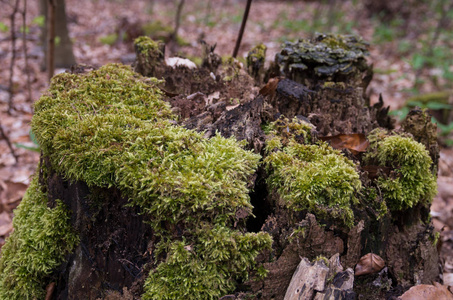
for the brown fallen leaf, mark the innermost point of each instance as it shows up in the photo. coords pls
(270, 88)
(6, 224)
(369, 264)
(436, 291)
(355, 142)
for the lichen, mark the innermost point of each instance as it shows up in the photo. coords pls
(41, 238)
(324, 56)
(312, 177)
(110, 127)
(411, 181)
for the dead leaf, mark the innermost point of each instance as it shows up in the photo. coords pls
(6, 224)
(10, 194)
(355, 142)
(369, 264)
(270, 88)
(231, 107)
(436, 291)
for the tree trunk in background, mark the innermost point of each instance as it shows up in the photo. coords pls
(64, 56)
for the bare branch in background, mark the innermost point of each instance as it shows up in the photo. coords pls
(174, 34)
(24, 45)
(10, 146)
(241, 31)
(50, 38)
(178, 18)
(13, 57)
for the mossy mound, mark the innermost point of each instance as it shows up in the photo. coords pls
(110, 127)
(411, 181)
(42, 237)
(311, 177)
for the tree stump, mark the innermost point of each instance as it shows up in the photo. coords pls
(223, 193)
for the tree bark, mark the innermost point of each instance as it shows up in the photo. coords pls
(64, 56)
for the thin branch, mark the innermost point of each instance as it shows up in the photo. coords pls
(24, 45)
(241, 31)
(50, 38)
(13, 56)
(10, 146)
(178, 19)
(443, 20)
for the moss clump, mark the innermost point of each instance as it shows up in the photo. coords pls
(411, 181)
(208, 265)
(255, 61)
(316, 178)
(258, 53)
(110, 127)
(146, 44)
(42, 237)
(109, 39)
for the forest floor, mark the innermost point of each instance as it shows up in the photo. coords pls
(96, 28)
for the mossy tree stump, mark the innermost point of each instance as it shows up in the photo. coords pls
(147, 207)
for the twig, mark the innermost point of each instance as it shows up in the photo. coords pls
(49, 290)
(13, 56)
(178, 19)
(24, 45)
(442, 22)
(174, 34)
(241, 31)
(50, 38)
(10, 146)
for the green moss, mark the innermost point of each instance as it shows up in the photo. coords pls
(437, 97)
(315, 178)
(256, 56)
(41, 238)
(109, 39)
(334, 85)
(411, 181)
(146, 44)
(208, 265)
(324, 259)
(283, 130)
(157, 30)
(373, 201)
(110, 127)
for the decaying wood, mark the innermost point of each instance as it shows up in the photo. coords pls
(116, 247)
